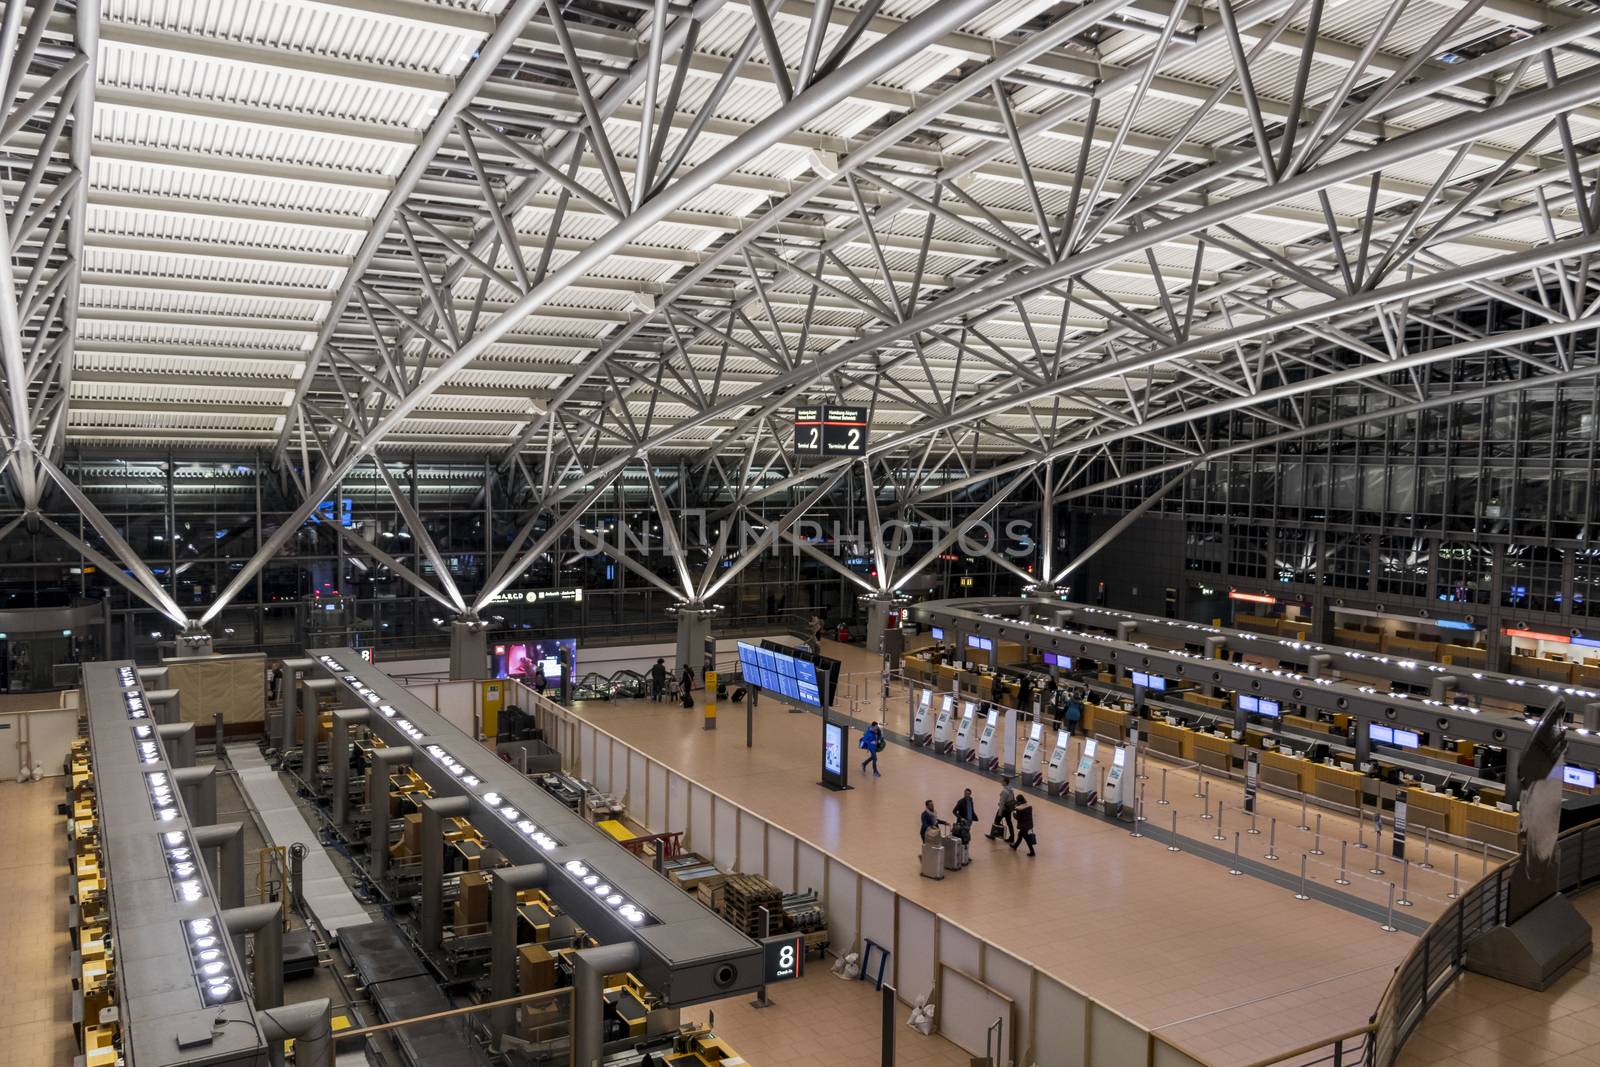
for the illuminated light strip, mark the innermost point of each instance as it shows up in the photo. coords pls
(1253, 598)
(208, 958)
(1535, 635)
(630, 912)
(183, 867)
(526, 827)
(163, 795)
(408, 729)
(128, 677)
(137, 709)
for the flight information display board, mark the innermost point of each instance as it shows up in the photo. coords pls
(792, 673)
(830, 430)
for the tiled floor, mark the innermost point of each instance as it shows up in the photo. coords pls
(1480, 1022)
(849, 1013)
(1232, 968)
(36, 995)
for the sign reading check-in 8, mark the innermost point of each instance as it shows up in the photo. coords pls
(785, 957)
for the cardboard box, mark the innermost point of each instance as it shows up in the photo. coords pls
(411, 835)
(473, 897)
(536, 969)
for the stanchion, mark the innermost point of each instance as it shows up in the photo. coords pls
(1199, 782)
(1252, 829)
(1172, 846)
(1344, 847)
(1389, 926)
(1205, 803)
(1405, 884)
(1163, 801)
(1427, 842)
(1303, 824)
(1361, 831)
(1138, 813)
(1377, 854)
(1455, 878)
(1218, 835)
(1486, 859)
(1235, 868)
(1316, 839)
(1302, 895)
(1272, 840)
(1141, 765)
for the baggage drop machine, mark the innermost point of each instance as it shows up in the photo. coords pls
(1033, 755)
(944, 727)
(922, 719)
(1058, 775)
(1084, 786)
(967, 732)
(989, 742)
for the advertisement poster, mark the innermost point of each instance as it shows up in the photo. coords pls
(835, 736)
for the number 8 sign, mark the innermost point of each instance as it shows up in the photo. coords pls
(785, 957)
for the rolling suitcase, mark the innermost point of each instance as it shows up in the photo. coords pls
(955, 854)
(932, 859)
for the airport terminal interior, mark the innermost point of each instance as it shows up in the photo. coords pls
(784, 533)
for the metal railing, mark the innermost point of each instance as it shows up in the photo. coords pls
(1438, 957)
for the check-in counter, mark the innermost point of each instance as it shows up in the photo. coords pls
(1357, 638)
(1337, 785)
(1300, 722)
(1099, 719)
(1486, 823)
(1428, 809)
(1170, 740)
(1007, 653)
(1287, 772)
(1194, 696)
(1548, 670)
(919, 669)
(1213, 751)
(1586, 676)
(946, 674)
(1412, 648)
(1443, 755)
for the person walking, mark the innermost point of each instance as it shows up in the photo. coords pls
(872, 741)
(539, 680)
(1023, 813)
(1025, 695)
(274, 683)
(1074, 712)
(687, 684)
(1002, 816)
(658, 680)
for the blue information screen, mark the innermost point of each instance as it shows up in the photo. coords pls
(795, 679)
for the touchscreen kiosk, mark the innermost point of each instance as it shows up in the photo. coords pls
(1119, 782)
(944, 726)
(1084, 778)
(989, 742)
(967, 732)
(922, 720)
(1059, 775)
(1033, 755)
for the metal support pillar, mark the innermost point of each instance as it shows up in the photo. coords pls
(198, 786)
(434, 812)
(309, 1023)
(310, 704)
(378, 800)
(1321, 665)
(221, 849)
(289, 693)
(506, 883)
(693, 629)
(469, 648)
(164, 705)
(1439, 688)
(339, 761)
(589, 969)
(265, 921)
(177, 740)
(1513, 762)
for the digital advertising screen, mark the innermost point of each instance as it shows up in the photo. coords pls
(522, 660)
(835, 768)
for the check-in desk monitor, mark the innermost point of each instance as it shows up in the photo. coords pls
(989, 741)
(1059, 773)
(967, 732)
(1083, 779)
(922, 723)
(1033, 755)
(944, 725)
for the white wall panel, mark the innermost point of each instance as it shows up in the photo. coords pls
(1113, 1039)
(677, 802)
(619, 769)
(655, 797)
(916, 971)
(700, 820)
(638, 795)
(752, 844)
(1060, 1032)
(600, 769)
(843, 886)
(1014, 978)
(877, 923)
(967, 1009)
(811, 873)
(781, 859)
(959, 948)
(725, 851)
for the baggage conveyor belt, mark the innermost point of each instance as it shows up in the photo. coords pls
(400, 987)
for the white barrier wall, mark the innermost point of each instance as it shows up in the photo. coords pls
(1044, 1022)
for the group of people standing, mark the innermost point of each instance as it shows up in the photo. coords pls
(1013, 819)
(658, 683)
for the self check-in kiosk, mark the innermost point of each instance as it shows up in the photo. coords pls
(1119, 781)
(922, 724)
(1033, 755)
(1083, 779)
(989, 742)
(1059, 775)
(944, 727)
(967, 733)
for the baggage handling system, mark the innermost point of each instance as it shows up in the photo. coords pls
(922, 718)
(1058, 777)
(944, 727)
(1033, 755)
(989, 741)
(967, 734)
(1083, 779)
(685, 954)
(162, 980)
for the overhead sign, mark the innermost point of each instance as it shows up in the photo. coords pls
(539, 596)
(830, 430)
